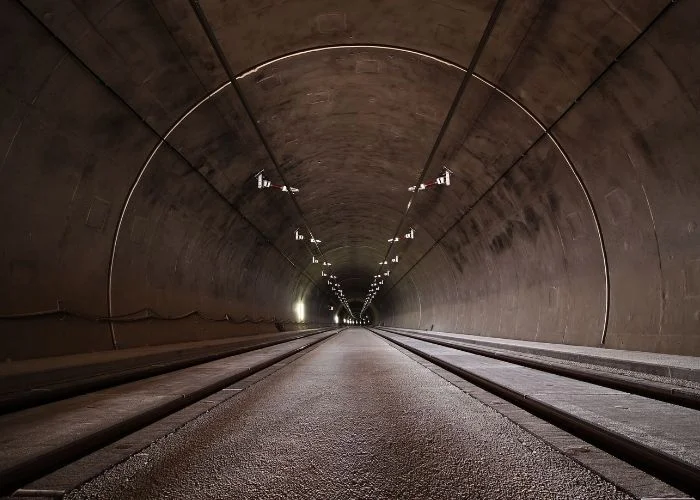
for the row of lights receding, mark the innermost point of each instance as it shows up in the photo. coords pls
(332, 279)
(265, 183)
(444, 180)
(378, 281)
(363, 321)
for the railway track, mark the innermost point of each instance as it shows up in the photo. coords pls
(533, 385)
(621, 434)
(669, 393)
(40, 440)
(58, 386)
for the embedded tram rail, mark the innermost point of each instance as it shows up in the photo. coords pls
(41, 439)
(649, 449)
(19, 391)
(660, 436)
(662, 391)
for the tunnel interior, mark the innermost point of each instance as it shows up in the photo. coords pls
(176, 171)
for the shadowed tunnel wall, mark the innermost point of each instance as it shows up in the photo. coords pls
(128, 160)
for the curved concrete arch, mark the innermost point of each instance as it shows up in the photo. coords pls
(127, 168)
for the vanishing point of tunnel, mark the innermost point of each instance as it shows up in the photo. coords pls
(204, 171)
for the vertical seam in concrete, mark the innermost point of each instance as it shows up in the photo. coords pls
(468, 73)
(223, 60)
(420, 307)
(132, 189)
(662, 301)
(589, 200)
(596, 219)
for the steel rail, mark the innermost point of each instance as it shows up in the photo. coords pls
(676, 472)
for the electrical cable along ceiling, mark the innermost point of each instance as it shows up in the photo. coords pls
(513, 169)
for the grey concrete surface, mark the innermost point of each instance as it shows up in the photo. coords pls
(355, 418)
(655, 424)
(76, 473)
(36, 432)
(586, 236)
(667, 367)
(37, 374)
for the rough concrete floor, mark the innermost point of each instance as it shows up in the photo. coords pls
(354, 418)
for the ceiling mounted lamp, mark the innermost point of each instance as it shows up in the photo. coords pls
(297, 235)
(411, 234)
(393, 240)
(264, 183)
(326, 264)
(383, 263)
(443, 180)
(314, 260)
(395, 260)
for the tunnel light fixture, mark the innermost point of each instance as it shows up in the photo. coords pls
(443, 180)
(264, 183)
(314, 260)
(411, 234)
(314, 240)
(326, 264)
(393, 240)
(387, 272)
(383, 263)
(395, 260)
(323, 273)
(297, 235)
(299, 310)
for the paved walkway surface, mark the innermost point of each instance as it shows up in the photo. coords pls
(655, 424)
(354, 418)
(42, 365)
(28, 435)
(669, 365)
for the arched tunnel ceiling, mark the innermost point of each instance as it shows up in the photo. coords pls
(124, 121)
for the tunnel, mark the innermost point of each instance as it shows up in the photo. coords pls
(369, 249)
(134, 135)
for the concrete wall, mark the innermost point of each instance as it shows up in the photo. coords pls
(85, 194)
(526, 262)
(128, 162)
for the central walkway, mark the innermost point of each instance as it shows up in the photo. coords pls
(354, 418)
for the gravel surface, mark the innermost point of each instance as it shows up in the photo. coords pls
(355, 418)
